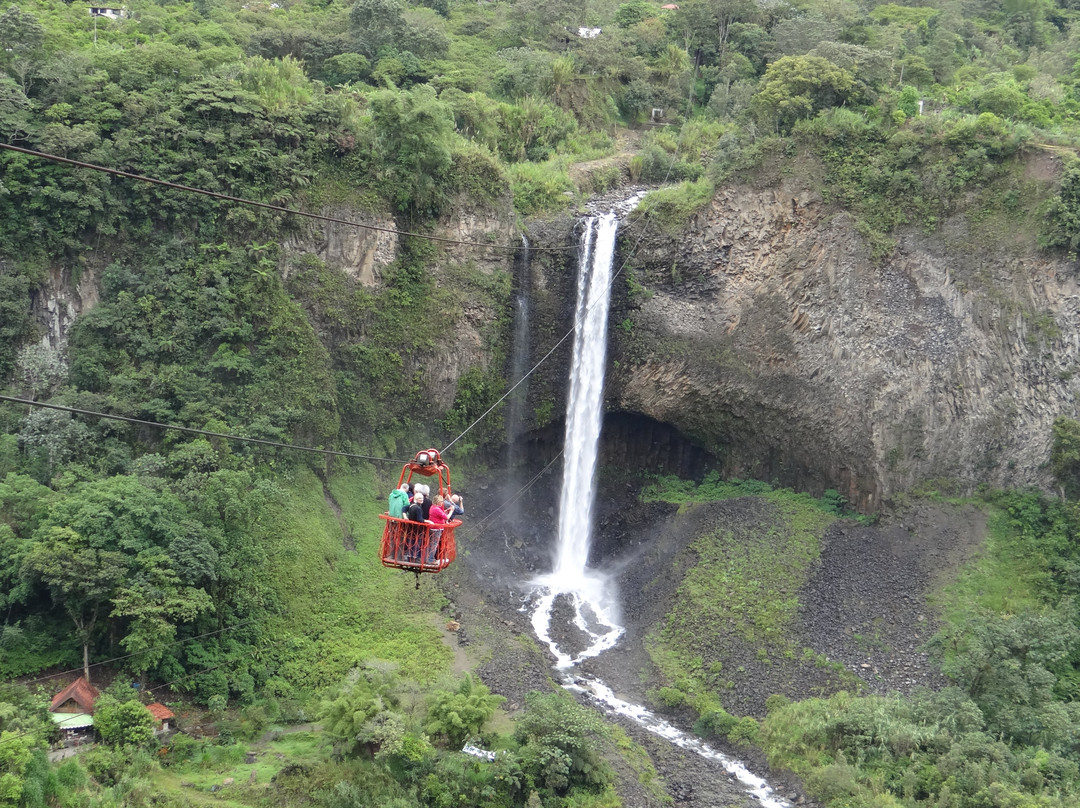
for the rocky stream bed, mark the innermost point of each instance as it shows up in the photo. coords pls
(863, 607)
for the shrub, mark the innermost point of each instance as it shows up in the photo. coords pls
(540, 187)
(459, 713)
(123, 723)
(1061, 214)
(776, 701)
(671, 208)
(477, 172)
(181, 748)
(835, 782)
(908, 101)
(715, 722)
(670, 697)
(744, 731)
(559, 743)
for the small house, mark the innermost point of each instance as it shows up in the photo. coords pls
(162, 714)
(73, 709)
(111, 13)
(78, 697)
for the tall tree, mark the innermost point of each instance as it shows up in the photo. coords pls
(155, 600)
(706, 24)
(796, 87)
(377, 24)
(80, 578)
(116, 548)
(22, 39)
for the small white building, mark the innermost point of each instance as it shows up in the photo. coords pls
(589, 33)
(111, 13)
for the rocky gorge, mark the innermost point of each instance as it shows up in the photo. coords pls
(763, 339)
(768, 335)
(764, 333)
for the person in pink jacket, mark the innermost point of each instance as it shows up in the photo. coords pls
(437, 516)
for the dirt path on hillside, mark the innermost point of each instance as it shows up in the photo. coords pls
(627, 144)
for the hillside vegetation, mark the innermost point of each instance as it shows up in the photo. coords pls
(215, 573)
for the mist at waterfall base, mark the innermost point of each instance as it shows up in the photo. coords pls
(585, 600)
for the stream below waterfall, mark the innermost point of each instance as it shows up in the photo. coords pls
(585, 599)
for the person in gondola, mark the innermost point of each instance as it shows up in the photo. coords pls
(397, 504)
(425, 489)
(407, 539)
(398, 501)
(454, 507)
(437, 517)
(414, 541)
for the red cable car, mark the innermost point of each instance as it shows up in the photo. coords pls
(420, 546)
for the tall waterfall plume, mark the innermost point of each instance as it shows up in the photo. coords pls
(591, 597)
(588, 592)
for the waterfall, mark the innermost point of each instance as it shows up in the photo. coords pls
(519, 359)
(590, 595)
(584, 410)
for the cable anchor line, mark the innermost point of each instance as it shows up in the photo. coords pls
(225, 435)
(176, 186)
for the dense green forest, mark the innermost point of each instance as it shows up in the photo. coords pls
(214, 572)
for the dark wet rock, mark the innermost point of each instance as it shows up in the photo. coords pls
(569, 638)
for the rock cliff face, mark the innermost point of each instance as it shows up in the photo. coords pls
(64, 296)
(363, 255)
(766, 333)
(360, 253)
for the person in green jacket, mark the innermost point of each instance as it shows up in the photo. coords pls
(399, 501)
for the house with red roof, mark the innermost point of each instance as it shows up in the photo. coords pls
(78, 697)
(162, 714)
(73, 708)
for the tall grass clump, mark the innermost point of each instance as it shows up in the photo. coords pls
(671, 207)
(540, 187)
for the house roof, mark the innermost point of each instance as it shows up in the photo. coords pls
(84, 693)
(160, 711)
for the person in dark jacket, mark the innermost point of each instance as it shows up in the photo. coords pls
(454, 507)
(414, 542)
(424, 489)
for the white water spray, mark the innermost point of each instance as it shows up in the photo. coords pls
(591, 593)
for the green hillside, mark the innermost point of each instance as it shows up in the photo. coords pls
(220, 577)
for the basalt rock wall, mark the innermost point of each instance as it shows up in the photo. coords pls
(766, 333)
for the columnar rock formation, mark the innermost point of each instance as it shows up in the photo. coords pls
(767, 333)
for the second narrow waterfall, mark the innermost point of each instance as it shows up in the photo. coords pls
(519, 357)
